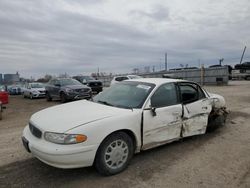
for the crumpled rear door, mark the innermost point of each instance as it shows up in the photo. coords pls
(195, 117)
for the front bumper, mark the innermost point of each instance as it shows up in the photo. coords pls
(60, 156)
(76, 96)
(38, 95)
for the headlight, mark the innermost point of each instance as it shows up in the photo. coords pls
(61, 138)
(35, 92)
(69, 90)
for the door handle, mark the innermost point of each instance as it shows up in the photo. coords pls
(204, 108)
(176, 113)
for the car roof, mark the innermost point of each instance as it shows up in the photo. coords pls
(156, 81)
(35, 83)
(63, 79)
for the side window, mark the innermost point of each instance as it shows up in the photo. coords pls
(51, 82)
(190, 92)
(165, 95)
(57, 82)
(124, 78)
(201, 93)
(121, 78)
(118, 79)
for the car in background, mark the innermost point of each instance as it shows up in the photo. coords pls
(4, 98)
(15, 89)
(118, 79)
(184, 68)
(34, 90)
(66, 89)
(243, 66)
(124, 119)
(94, 84)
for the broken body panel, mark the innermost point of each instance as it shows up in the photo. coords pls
(172, 123)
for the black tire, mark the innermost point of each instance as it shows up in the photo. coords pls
(123, 153)
(63, 97)
(31, 96)
(48, 97)
(215, 122)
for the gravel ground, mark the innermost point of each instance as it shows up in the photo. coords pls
(218, 159)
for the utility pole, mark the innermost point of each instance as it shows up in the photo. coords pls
(166, 61)
(243, 54)
(221, 60)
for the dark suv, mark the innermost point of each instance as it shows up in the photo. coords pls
(96, 85)
(243, 66)
(67, 89)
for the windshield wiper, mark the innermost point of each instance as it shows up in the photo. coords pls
(105, 102)
(119, 106)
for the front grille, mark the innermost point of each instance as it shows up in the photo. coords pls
(35, 131)
(84, 90)
(93, 84)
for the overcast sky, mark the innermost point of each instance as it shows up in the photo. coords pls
(40, 37)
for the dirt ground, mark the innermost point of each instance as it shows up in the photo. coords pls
(218, 159)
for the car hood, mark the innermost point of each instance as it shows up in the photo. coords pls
(38, 89)
(75, 86)
(62, 118)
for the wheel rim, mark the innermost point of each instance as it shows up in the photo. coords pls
(116, 154)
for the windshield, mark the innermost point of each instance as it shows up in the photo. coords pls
(37, 85)
(125, 95)
(88, 78)
(2, 88)
(66, 82)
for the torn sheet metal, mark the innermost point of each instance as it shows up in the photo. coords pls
(195, 125)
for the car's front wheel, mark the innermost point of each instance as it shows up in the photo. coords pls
(31, 96)
(48, 97)
(114, 154)
(63, 97)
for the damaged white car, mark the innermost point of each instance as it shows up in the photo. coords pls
(125, 119)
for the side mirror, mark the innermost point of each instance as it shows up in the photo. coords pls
(153, 111)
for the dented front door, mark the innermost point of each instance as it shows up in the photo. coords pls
(162, 118)
(165, 126)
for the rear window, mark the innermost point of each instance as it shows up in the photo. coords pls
(119, 79)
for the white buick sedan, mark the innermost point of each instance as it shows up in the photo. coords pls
(122, 120)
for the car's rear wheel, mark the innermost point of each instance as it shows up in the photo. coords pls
(114, 154)
(63, 97)
(48, 97)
